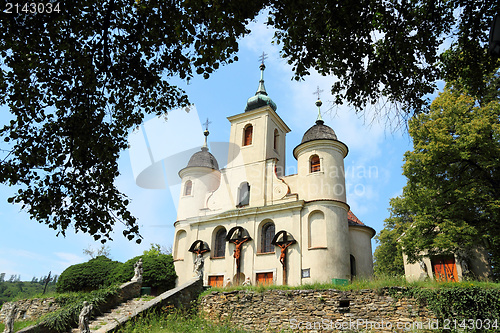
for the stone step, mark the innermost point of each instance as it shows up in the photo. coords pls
(106, 321)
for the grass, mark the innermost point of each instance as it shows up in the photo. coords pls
(358, 284)
(18, 325)
(174, 320)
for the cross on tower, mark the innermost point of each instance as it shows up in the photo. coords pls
(206, 123)
(318, 92)
(263, 57)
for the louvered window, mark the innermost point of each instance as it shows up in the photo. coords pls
(247, 140)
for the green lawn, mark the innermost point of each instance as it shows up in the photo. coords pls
(374, 283)
(18, 325)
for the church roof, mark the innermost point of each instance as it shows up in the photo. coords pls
(319, 131)
(203, 158)
(260, 98)
(352, 219)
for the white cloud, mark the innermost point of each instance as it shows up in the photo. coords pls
(68, 259)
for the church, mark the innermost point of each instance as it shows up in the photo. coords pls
(249, 223)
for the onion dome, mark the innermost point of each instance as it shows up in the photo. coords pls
(260, 98)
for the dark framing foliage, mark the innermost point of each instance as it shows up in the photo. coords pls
(76, 82)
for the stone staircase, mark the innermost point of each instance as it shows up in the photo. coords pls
(180, 296)
(116, 316)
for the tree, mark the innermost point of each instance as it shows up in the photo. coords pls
(389, 49)
(102, 251)
(78, 80)
(90, 275)
(452, 197)
(388, 254)
(159, 271)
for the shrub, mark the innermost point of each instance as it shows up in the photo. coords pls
(90, 275)
(159, 271)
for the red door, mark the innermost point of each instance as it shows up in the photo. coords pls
(264, 278)
(216, 281)
(444, 268)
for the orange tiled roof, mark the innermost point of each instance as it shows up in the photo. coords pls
(353, 219)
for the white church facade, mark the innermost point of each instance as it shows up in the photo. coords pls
(251, 223)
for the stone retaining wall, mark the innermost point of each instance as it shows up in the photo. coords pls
(317, 310)
(30, 309)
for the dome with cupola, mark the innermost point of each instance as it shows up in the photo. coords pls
(319, 131)
(260, 98)
(203, 158)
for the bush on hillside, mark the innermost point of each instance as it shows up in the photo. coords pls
(158, 271)
(90, 275)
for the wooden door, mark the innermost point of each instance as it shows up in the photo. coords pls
(216, 281)
(445, 268)
(264, 278)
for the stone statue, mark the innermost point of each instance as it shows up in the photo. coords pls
(247, 282)
(423, 266)
(228, 282)
(465, 266)
(138, 271)
(9, 321)
(199, 263)
(84, 318)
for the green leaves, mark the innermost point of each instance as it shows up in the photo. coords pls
(465, 307)
(453, 189)
(77, 82)
(387, 50)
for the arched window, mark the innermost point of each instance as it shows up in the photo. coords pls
(266, 238)
(247, 137)
(180, 245)
(276, 137)
(219, 248)
(317, 229)
(315, 163)
(244, 194)
(353, 266)
(188, 187)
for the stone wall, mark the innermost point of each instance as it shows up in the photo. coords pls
(30, 309)
(317, 310)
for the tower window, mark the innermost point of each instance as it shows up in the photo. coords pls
(247, 139)
(353, 266)
(244, 194)
(266, 238)
(276, 137)
(315, 163)
(188, 187)
(220, 244)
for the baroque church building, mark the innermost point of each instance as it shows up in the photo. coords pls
(251, 223)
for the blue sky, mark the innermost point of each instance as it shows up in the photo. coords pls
(373, 165)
